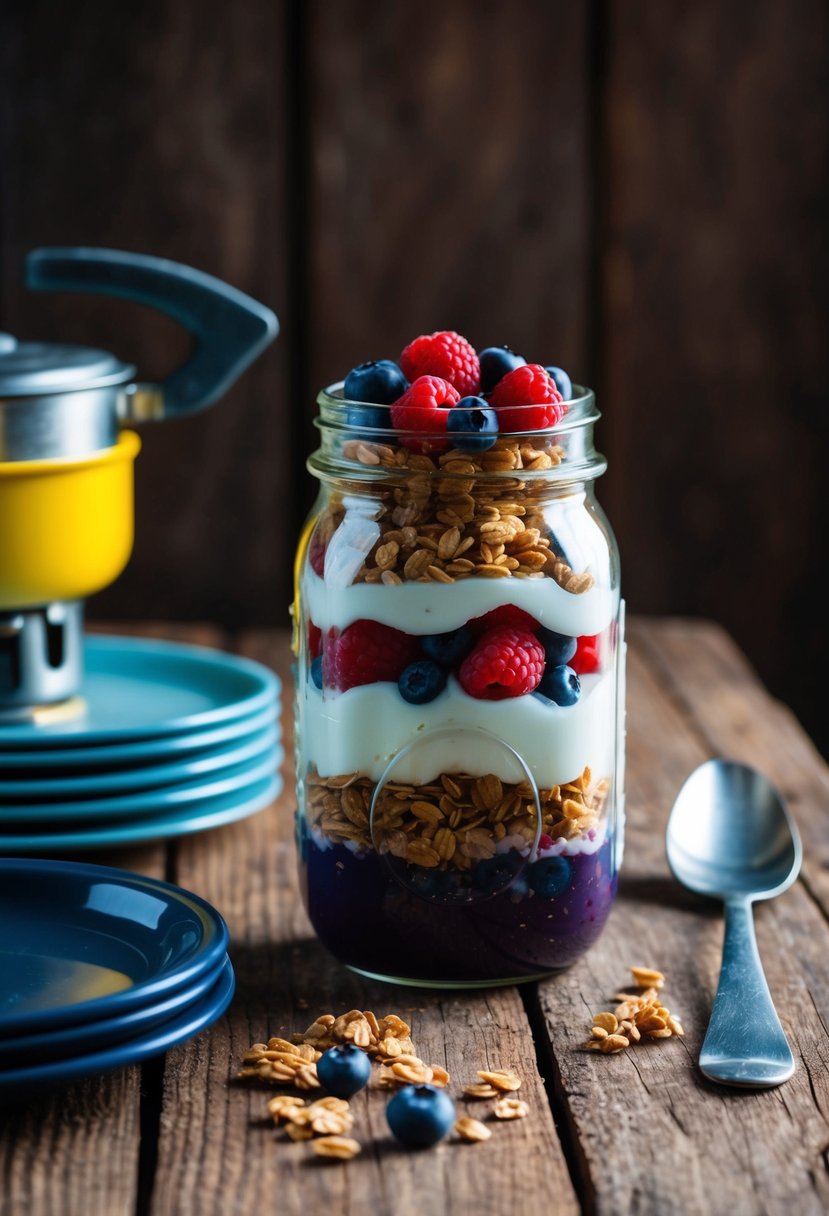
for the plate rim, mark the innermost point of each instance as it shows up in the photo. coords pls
(140, 993)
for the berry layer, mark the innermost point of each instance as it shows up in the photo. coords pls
(363, 729)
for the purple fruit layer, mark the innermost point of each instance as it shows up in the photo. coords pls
(369, 921)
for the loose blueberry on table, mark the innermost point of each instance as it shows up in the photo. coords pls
(420, 1115)
(344, 1070)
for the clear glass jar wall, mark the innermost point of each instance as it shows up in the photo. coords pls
(458, 823)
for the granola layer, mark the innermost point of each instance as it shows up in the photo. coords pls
(455, 821)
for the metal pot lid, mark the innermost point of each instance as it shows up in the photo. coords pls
(38, 369)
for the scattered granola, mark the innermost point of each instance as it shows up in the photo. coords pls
(472, 1129)
(338, 1148)
(501, 1079)
(510, 1108)
(638, 1016)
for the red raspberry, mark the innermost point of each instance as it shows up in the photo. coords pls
(364, 653)
(587, 657)
(506, 662)
(504, 614)
(522, 389)
(425, 406)
(314, 641)
(445, 354)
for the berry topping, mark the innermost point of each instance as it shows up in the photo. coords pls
(527, 400)
(420, 1115)
(549, 876)
(425, 406)
(421, 682)
(504, 614)
(496, 362)
(314, 640)
(562, 381)
(366, 652)
(558, 648)
(449, 649)
(587, 657)
(344, 1069)
(506, 662)
(316, 671)
(378, 382)
(445, 354)
(473, 425)
(561, 685)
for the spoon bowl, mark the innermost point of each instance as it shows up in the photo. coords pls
(731, 837)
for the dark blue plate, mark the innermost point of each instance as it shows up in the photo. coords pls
(21, 1082)
(80, 941)
(65, 1041)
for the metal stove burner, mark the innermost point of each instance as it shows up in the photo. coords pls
(41, 659)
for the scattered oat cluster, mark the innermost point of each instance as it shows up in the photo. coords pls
(638, 1016)
(455, 821)
(326, 1121)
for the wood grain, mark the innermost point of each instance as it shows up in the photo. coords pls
(450, 179)
(285, 978)
(655, 1137)
(716, 287)
(160, 128)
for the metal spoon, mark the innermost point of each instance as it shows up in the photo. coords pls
(730, 836)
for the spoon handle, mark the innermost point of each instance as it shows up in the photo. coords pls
(744, 1044)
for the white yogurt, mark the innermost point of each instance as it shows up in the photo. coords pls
(428, 608)
(363, 729)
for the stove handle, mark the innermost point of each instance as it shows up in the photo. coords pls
(230, 328)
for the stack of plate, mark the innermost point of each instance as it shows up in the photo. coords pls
(167, 739)
(100, 968)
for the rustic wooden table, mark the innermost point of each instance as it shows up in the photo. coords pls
(638, 1132)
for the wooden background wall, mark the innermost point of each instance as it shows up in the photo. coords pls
(634, 189)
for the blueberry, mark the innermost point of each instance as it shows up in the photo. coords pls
(562, 381)
(472, 425)
(549, 876)
(375, 417)
(380, 381)
(495, 362)
(316, 671)
(449, 649)
(558, 648)
(560, 684)
(343, 1070)
(420, 1115)
(421, 682)
(496, 873)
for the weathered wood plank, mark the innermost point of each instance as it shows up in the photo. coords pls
(715, 273)
(655, 1137)
(450, 179)
(285, 978)
(161, 128)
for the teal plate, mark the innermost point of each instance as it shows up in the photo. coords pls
(135, 688)
(147, 751)
(58, 786)
(145, 802)
(213, 813)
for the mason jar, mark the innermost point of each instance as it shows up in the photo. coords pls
(459, 699)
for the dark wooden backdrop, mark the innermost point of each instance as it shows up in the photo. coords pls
(634, 189)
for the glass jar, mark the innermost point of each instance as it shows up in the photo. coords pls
(459, 823)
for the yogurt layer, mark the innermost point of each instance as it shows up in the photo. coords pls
(363, 730)
(428, 608)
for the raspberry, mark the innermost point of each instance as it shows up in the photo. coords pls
(527, 399)
(587, 657)
(425, 406)
(314, 641)
(506, 662)
(445, 354)
(366, 652)
(504, 614)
